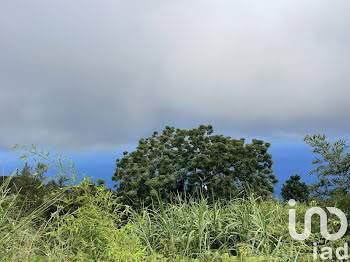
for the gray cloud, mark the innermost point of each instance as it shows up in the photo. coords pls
(99, 74)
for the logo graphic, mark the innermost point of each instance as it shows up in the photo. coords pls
(323, 222)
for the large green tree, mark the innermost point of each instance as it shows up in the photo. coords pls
(332, 165)
(186, 161)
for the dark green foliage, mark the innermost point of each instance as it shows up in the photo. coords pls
(187, 161)
(29, 186)
(332, 166)
(100, 182)
(294, 189)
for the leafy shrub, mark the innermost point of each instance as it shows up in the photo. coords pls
(94, 232)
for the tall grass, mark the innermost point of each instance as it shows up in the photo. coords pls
(241, 229)
(17, 236)
(93, 231)
(187, 229)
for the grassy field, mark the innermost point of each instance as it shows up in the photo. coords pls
(81, 222)
(100, 229)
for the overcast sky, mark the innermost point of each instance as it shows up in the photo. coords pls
(100, 74)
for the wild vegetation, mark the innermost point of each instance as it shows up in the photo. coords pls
(167, 210)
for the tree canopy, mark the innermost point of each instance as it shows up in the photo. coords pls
(186, 161)
(30, 186)
(295, 189)
(332, 165)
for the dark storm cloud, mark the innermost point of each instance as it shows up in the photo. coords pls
(99, 74)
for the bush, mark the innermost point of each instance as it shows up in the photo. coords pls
(94, 232)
